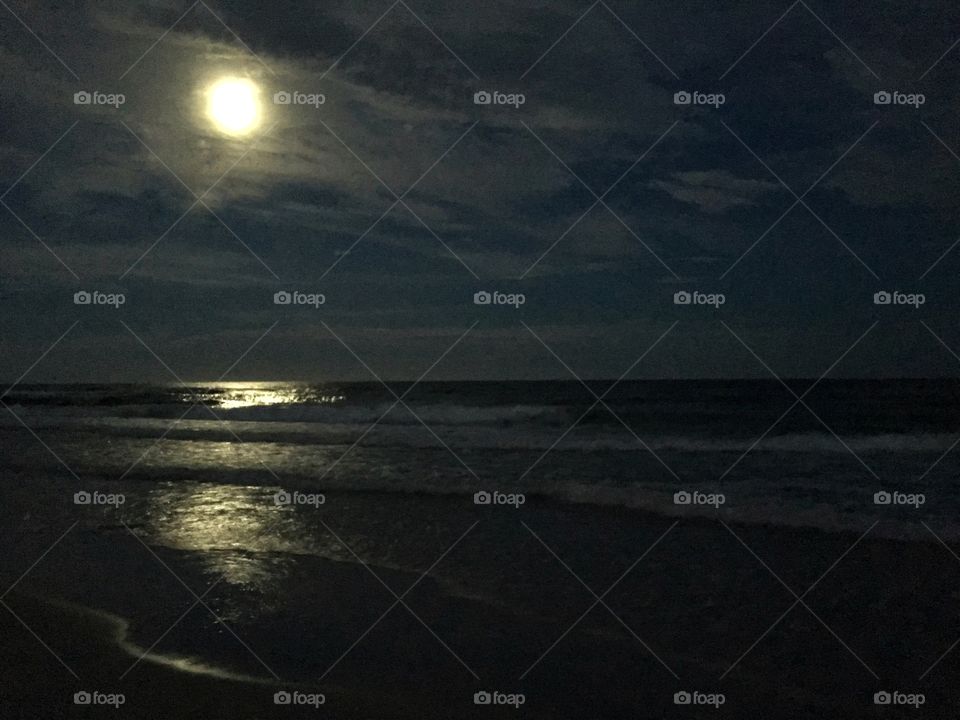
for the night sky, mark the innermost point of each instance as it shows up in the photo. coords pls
(399, 196)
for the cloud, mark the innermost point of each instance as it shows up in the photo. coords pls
(714, 191)
(396, 103)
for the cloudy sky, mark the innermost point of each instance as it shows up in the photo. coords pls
(399, 197)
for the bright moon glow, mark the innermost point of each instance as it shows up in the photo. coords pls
(233, 104)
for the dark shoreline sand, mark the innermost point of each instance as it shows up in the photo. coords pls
(700, 600)
(36, 686)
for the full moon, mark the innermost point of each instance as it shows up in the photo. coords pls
(233, 105)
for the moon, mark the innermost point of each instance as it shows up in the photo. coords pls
(233, 106)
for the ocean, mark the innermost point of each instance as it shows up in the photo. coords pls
(307, 510)
(821, 462)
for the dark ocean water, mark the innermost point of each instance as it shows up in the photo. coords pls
(775, 459)
(196, 478)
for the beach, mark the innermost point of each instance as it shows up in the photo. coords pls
(698, 600)
(226, 562)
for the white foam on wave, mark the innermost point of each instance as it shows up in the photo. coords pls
(497, 429)
(120, 635)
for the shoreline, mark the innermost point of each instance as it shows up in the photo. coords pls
(697, 618)
(38, 686)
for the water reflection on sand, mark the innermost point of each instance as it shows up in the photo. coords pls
(238, 530)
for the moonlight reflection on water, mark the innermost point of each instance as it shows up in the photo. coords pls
(234, 528)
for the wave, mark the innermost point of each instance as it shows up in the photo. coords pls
(394, 413)
(118, 629)
(388, 413)
(495, 428)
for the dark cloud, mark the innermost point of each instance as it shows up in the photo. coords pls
(508, 197)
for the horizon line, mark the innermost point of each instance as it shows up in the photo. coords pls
(223, 381)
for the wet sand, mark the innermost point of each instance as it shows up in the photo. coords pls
(679, 620)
